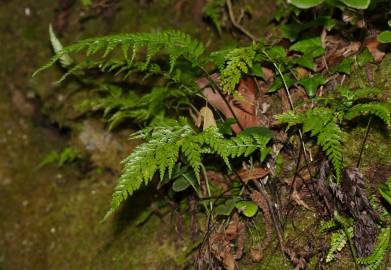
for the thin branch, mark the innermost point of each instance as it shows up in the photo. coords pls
(364, 142)
(236, 24)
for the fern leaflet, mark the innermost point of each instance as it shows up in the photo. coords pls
(381, 110)
(238, 61)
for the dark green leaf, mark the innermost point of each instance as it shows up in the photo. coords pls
(305, 3)
(180, 184)
(344, 67)
(359, 4)
(384, 37)
(312, 47)
(226, 208)
(311, 84)
(265, 132)
(225, 126)
(256, 70)
(292, 31)
(278, 83)
(306, 61)
(364, 58)
(277, 53)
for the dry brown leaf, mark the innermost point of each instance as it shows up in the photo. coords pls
(373, 46)
(243, 106)
(206, 117)
(296, 197)
(252, 174)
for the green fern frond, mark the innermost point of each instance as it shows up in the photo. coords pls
(164, 145)
(328, 225)
(321, 123)
(338, 242)
(238, 62)
(373, 261)
(160, 153)
(360, 93)
(385, 190)
(381, 110)
(172, 43)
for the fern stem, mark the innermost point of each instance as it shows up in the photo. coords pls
(364, 142)
(207, 185)
(293, 108)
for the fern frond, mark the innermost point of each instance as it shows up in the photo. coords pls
(328, 225)
(374, 260)
(321, 123)
(338, 242)
(173, 43)
(160, 153)
(238, 61)
(359, 93)
(164, 145)
(381, 110)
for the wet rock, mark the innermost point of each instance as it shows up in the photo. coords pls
(106, 149)
(23, 105)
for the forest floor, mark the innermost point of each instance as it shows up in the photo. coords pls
(50, 217)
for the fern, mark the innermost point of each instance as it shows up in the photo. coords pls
(381, 110)
(175, 44)
(374, 261)
(321, 123)
(238, 61)
(385, 190)
(66, 156)
(212, 9)
(338, 242)
(163, 148)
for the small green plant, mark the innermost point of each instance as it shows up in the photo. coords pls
(66, 156)
(325, 122)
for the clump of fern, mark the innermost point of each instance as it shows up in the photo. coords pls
(167, 144)
(326, 121)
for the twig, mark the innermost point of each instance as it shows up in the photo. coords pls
(364, 142)
(236, 24)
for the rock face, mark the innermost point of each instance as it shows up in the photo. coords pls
(106, 149)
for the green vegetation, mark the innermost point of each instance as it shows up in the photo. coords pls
(198, 119)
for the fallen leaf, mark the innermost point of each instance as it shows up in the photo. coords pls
(206, 117)
(373, 46)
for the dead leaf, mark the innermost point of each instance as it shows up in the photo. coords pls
(373, 46)
(206, 117)
(243, 106)
(252, 174)
(296, 197)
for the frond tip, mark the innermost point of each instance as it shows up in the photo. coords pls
(173, 43)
